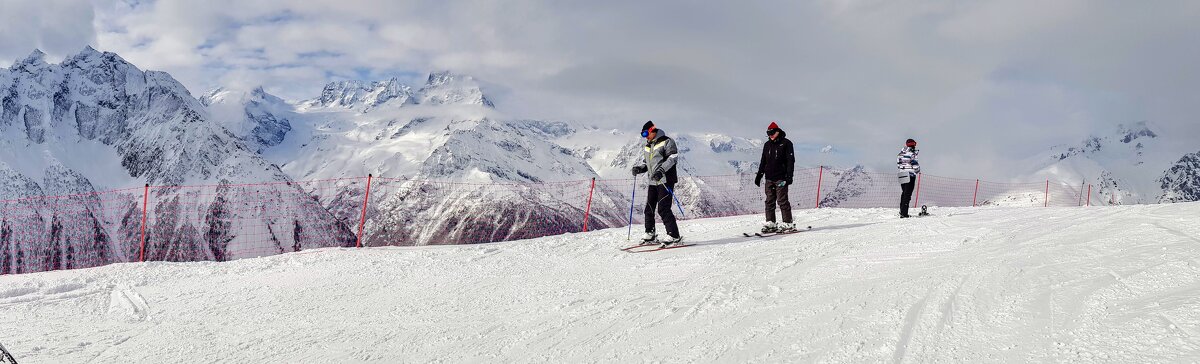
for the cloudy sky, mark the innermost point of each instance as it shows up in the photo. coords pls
(976, 82)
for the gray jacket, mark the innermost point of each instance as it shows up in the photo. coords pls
(660, 153)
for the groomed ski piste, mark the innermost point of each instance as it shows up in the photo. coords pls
(1099, 284)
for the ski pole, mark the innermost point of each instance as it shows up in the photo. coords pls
(632, 195)
(677, 204)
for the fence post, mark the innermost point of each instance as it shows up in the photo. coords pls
(918, 201)
(820, 176)
(588, 213)
(1080, 202)
(1089, 200)
(976, 197)
(1047, 198)
(363, 221)
(145, 201)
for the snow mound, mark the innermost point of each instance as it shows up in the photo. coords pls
(1101, 284)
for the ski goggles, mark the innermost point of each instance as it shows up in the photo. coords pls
(772, 132)
(646, 133)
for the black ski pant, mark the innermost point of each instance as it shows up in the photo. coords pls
(778, 196)
(906, 192)
(657, 198)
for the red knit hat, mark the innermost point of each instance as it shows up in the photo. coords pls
(773, 126)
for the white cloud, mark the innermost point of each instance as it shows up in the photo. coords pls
(57, 27)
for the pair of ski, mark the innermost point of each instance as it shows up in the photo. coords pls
(764, 235)
(653, 247)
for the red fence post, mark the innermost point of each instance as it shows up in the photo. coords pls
(363, 221)
(1089, 200)
(145, 201)
(820, 176)
(976, 197)
(588, 213)
(1047, 198)
(918, 201)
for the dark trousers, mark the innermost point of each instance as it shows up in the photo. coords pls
(906, 192)
(657, 198)
(778, 196)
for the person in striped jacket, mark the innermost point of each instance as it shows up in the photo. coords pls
(906, 161)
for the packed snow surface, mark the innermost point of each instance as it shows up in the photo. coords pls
(1100, 284)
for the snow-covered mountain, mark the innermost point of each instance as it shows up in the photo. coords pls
(96, 122)
(1181, 182)
(1135, 164)
(440, 88)
(259, 118)
(363, 96)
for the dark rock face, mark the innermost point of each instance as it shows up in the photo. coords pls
(1181, 182)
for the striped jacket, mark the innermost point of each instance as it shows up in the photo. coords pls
(907, 161)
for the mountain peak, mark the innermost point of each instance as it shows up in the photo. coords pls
(445, 87)
(260, 93)
(1128, 133)
(35, 58)
(443, 77)
(362, 95)
(440, 88)
(87, 51)
(239, 95)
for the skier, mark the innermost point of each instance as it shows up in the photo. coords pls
(777, 165)
(906, 161)
(659, 160)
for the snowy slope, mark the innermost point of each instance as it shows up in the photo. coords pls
(1082, 285)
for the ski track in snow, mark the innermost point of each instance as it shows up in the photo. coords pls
(1112, 284)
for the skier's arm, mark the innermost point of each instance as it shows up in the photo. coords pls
(791, 162)
(916, 166)
(672, 153)
(762, 160)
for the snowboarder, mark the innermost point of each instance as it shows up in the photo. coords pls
(659, 160)
(906, 161)
(777, 165)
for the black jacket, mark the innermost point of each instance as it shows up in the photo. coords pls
(778, 159)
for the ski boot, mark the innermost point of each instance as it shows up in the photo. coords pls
(786, 227)
(649, 238)
(671, 241)
(770, 227)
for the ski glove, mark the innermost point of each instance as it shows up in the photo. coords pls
(783, 183)
(658, 174)
(758, 180)
(639, 170)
